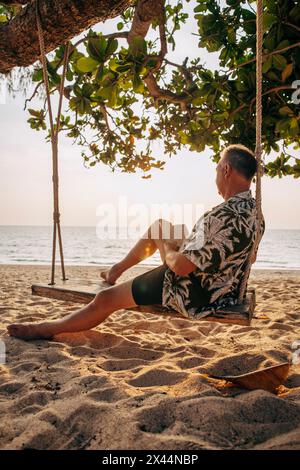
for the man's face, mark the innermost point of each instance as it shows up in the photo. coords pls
(221, 176)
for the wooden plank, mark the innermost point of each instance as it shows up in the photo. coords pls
(83, 291)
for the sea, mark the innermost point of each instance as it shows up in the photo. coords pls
(88, 246)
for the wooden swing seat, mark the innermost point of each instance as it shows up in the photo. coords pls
(83, 291)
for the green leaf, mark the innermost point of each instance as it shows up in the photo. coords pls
(282, 125)
(231, 36)
(105, 92)
(138, 46)
(54, 77)
(120, 26)
(294, 126)
(37, 75)
(279, 61)
(100, 73)
(270, 42)
(69, 75)
(200, 8)
(81, 104)
(267, 64)
(112, 101)
(272, 75)
(87, 64)
(112, 46)
(137, 84)
(96, 48)
(269, 20)
(87, 90)
(34, 113)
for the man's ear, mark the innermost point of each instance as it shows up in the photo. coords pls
(227, 169)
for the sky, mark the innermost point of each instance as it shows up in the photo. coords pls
(188, 178)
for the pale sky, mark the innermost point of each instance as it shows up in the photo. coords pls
(188, 178)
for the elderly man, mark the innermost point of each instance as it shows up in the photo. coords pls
(198, 274)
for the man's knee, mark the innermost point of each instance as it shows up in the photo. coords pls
(102, 297)
(159, 229)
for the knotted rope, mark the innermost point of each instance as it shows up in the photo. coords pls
(258, 146)
(54, 142)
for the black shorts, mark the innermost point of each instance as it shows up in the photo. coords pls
(147, 287)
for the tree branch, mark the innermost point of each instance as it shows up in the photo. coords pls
(146, 11)
(61, 21)
(160, 94)
(15, 2)
(277, 51)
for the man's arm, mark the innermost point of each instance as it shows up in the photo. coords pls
(177, 262)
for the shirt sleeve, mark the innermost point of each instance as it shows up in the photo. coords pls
(202, 248)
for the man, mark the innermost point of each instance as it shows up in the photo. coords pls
(198, 275)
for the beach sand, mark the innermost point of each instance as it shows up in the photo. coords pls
(140, 381)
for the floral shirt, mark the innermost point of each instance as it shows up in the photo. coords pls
(219, 245)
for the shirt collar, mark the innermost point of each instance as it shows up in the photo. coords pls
(244, 194)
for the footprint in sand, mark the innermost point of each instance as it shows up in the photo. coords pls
(53, 356)
(202, 351)
(92, 381)
(108, 395)
(156, 419)
(190, 362)
(34, 398)
(25, 366)
(280, 326)
(11, 387)
(38, 303)
(135, 352)
(123, 364)
(237, 364)
(157, 377)
(49, 417)
(30, 410)
(92, 338)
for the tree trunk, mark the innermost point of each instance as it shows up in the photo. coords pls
(61, 21)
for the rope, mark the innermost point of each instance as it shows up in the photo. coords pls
(54, 142)
(258, 146)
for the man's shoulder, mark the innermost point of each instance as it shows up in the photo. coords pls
(240, 204)
(217, 211)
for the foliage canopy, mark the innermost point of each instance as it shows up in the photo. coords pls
(125, 95)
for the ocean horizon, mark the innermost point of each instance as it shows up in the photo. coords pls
(86, 246)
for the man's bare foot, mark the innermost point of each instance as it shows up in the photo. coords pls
(112, 274)
(29, 331)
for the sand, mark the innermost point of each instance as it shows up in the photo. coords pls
(141, 381)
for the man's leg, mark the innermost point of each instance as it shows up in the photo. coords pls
(104, 304)
(144, 248)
